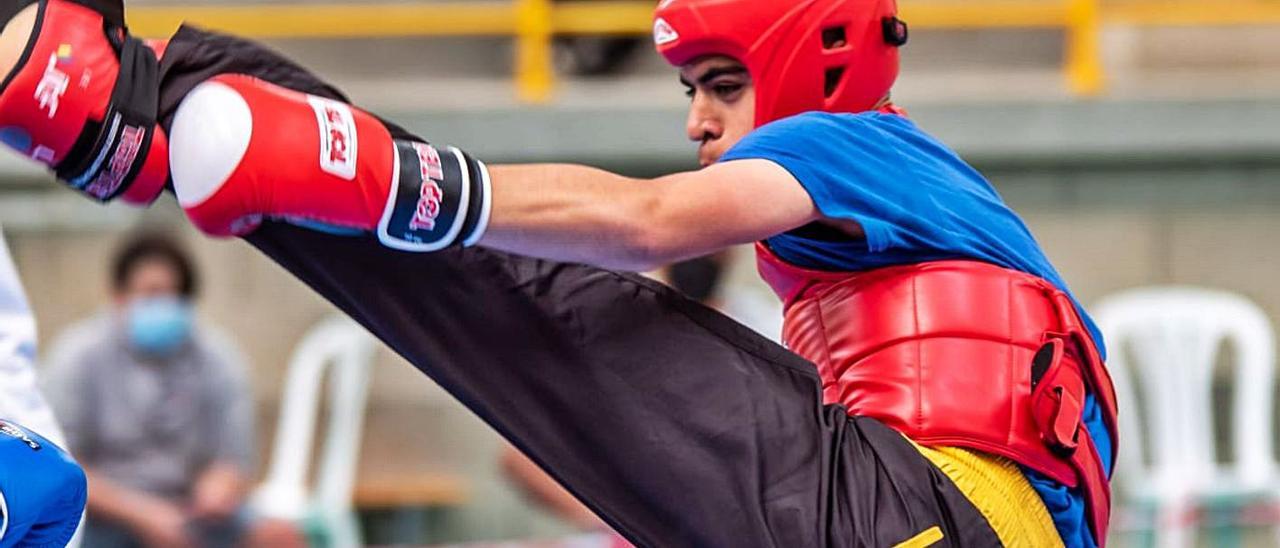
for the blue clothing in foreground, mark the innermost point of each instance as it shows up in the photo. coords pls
(917, 201)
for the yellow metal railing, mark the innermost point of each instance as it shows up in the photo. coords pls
(533, 23)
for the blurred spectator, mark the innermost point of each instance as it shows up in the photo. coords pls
(704, 279)
(158, 412)
(700, 278)
(597, 55)
(548, 494)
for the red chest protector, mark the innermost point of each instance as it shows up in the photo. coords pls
(957, 353)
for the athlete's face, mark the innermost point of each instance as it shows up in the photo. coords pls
(722, 107)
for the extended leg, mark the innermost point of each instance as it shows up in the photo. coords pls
(677, 425)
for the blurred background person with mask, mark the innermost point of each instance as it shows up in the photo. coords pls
(157, 409)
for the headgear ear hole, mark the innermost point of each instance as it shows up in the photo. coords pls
(833, 77)
(834, 38)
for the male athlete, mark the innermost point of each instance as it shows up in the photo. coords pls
(959, 395)
(42, 490)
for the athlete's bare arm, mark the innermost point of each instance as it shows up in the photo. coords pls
(15, 36)
(560, 212)
(582, 214)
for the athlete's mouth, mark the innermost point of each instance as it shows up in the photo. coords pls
(706, 156)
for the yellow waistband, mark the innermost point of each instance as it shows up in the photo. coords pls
(998, 488)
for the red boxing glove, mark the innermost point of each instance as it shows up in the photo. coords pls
(242, 150)
(82, 100)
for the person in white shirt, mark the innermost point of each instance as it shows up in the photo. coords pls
(42, 490)
(20, 399)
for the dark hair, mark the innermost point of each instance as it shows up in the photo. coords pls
(148, 247)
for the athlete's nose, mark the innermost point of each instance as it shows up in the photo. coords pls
(702, 125)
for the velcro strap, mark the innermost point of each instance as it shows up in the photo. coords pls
(439, 197)
(1088, 464)
(1058, 400)
(1063, 434)
(108, 156)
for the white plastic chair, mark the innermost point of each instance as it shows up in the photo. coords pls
(1165, 341)
(341, 345)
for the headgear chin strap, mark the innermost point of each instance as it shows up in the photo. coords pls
(83, 99)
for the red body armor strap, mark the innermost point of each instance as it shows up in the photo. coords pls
(1098, 381)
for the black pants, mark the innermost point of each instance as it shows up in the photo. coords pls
(675, 424)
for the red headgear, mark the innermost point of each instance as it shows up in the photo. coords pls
(828, 55)
(82, 99)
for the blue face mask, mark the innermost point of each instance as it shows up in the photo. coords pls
(158, 326)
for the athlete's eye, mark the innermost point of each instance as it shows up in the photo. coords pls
(726, 90)
(689, 91)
